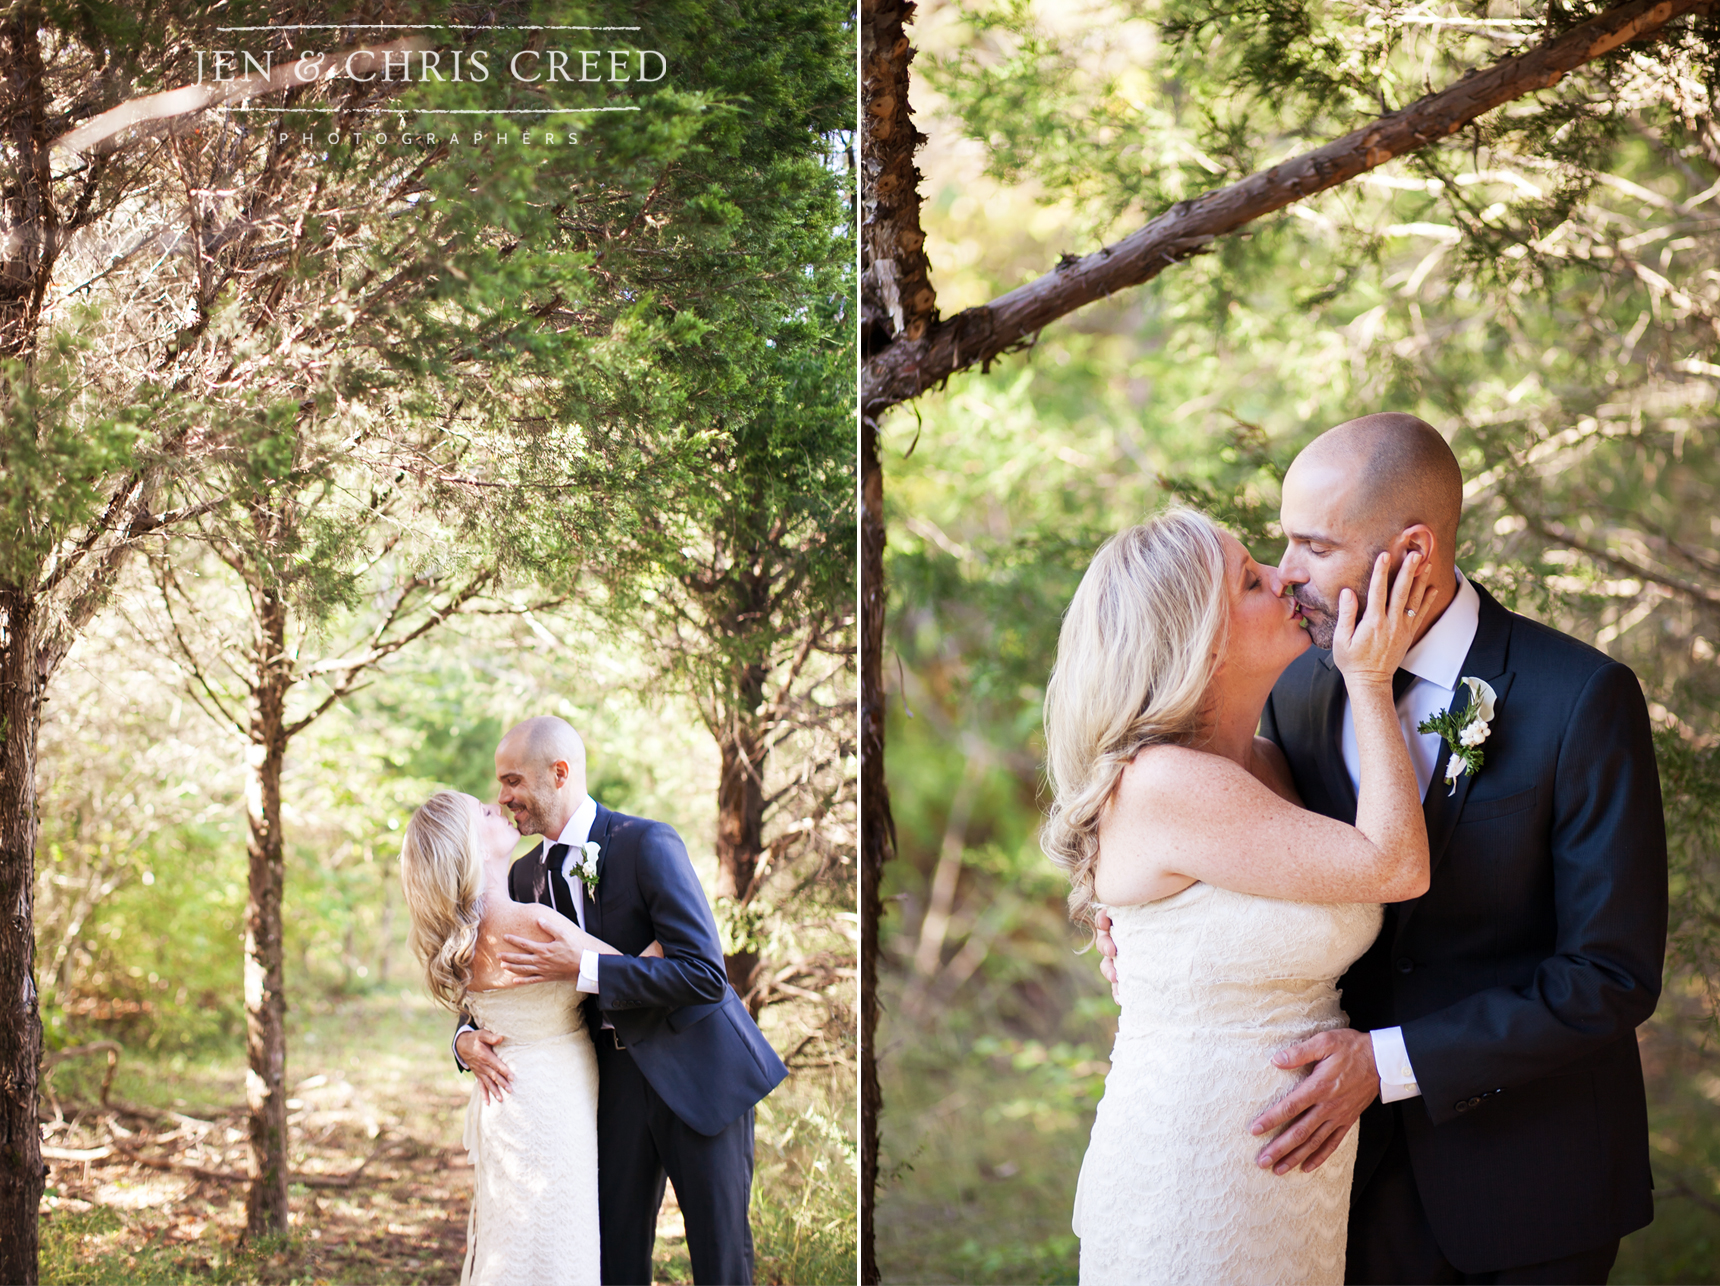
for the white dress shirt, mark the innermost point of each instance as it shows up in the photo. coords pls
(1436, 660)
(574, 835)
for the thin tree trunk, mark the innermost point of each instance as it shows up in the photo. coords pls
(32, 221)
(877, 831)
(911, 364)
(740, 817)
(21, 684)
(265, 999)
(897, 306)
(929, 956)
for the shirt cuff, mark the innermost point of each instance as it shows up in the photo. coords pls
(466, 1025)
(587, 972)
(1391, 1060)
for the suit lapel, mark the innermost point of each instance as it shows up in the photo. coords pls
(1442, 808)
(1328, 709)
(528, 878)
(594, 898)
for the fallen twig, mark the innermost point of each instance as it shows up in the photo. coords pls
(347, 1180)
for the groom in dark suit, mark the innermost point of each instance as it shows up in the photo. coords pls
(1492, 1055)
(680, 1061)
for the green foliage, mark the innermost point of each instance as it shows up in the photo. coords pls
(803, 1212)
(57, 451)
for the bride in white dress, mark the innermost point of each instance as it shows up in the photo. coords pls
(1234, 910)
(534, 1151)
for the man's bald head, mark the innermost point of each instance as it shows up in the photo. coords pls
(1400, 472)
(540, 765)
(543, 740)
(1385, 483)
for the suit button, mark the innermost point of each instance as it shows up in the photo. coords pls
(1462, 1105)
(1405, 964)
(1475, 1102)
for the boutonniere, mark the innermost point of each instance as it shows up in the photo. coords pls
(587, 867)
(1464, 731)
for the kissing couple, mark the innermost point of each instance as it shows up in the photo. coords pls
(609, 1049)
(1365, 846)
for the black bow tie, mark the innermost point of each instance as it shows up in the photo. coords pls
(1400, 684)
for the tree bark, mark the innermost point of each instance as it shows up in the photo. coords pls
(21, 685)
(910, 365)
(32, 221)
(897, 306)
(877, 829)
(265, 998)
(27, 657)
(897, 301)
(740, 817)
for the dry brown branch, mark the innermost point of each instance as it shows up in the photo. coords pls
(908, 366)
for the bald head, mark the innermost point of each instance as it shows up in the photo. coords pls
(1396, 471)
(1383, 484)
(540, 765)
(545, 739)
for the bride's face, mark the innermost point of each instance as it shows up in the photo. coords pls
(496, 833)
(1266, 630)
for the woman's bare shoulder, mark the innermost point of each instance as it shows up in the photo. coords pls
(1157, 769)
(514, 917)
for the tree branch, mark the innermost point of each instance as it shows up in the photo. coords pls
(908, 367)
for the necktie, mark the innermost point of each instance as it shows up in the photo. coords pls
(561, 896)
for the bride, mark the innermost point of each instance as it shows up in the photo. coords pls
(534, 1151)
(1234, 910)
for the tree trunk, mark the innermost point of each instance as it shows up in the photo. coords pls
(910, 364)
(265, 1000)
(21, 684)
(897, 306)
(32, 221)
(740, 817)
(877, 830)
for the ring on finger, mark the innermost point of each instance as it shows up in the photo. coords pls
(1409, 611)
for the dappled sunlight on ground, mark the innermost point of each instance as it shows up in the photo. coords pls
(148, 1188)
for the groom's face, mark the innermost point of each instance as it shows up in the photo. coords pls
(1330, 543)
(529, 789)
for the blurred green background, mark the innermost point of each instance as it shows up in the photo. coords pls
(1544, 289)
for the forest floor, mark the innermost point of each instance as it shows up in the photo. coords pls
(138, 1190)
(984, 1131)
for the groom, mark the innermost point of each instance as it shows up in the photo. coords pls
(1491, 1056)
(680, 1061)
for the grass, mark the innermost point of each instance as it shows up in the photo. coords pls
(374, 1076)
(985, 1124)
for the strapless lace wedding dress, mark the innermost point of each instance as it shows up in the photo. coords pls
(1213, 984)
(534, 1203)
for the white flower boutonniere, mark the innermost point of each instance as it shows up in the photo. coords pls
(1464, 731)
(587, 866)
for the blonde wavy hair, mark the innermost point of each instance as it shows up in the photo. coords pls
(442, 872)
(1139, 646)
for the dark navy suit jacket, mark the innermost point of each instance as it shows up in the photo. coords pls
(1519, 978)
(692, 1038)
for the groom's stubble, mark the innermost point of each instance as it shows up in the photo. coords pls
(1321, 614)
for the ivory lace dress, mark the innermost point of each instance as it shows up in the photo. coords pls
(534, 1153)
(1214, 983)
